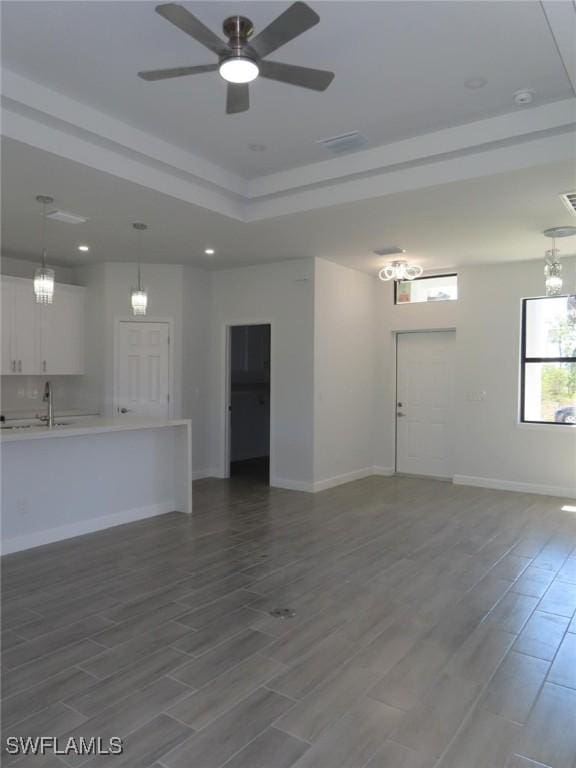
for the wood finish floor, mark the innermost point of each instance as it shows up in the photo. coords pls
(434, 628)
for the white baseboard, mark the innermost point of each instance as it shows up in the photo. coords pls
(291, 485)
(347, 477)
(383, 471)
(200, 474)
(511, 485)
(38, 538)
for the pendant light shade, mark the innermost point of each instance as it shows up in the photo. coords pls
(553, 273)
(44, 276)
(44, 285)
(553, 268)
(139, 295)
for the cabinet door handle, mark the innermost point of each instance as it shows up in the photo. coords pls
(13, 366)
(44, 366)
(19, 366)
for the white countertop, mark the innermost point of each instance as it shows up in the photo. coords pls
(91, 426)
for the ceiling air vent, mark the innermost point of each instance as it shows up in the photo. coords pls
(66, 217)
(346, 142)
(389, 250)
(569, 200)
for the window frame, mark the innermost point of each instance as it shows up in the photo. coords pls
(417, 279)
(524, 361)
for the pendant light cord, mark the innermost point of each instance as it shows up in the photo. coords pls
(43, 235)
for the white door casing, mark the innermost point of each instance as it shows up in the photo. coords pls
(143, 369)
(424, 403)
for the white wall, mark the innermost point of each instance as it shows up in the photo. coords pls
(195, 362)
(491, 447)
(281, 294)
(344, 373)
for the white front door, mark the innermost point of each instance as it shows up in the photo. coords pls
(143, 368)
(424, 403)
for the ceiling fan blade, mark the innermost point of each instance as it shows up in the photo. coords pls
(165, 74)
(184, 20)
(305, 77)
(237, 98)
(298, 18)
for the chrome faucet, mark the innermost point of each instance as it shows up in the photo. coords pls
(47, 398)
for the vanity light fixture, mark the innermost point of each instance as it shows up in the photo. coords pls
(400, 270)
(139, 295)
(44, 276)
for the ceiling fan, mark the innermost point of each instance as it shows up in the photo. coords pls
(241, 59)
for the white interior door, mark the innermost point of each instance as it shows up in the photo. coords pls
(425, 372)
(143, 369)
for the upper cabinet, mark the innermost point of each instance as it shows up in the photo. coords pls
(42, 339)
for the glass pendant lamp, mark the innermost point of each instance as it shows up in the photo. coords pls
(44, 276)
(139, 295)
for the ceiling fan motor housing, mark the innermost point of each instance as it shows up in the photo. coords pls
(238, 29)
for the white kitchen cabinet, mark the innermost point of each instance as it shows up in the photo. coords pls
(41, 339)
(20, 329)
(62, 332)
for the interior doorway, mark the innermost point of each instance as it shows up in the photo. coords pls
(424, 403)
(142, 375)
(249, 402)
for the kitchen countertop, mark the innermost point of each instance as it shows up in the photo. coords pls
(87, 427)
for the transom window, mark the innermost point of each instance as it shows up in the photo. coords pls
(429, 288)
(548, 375)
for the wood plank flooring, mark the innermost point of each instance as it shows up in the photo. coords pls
(434, 627)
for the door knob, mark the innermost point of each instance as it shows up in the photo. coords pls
(124, 410)
(400, 414)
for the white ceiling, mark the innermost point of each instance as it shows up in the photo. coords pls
(494, 218)
(400, 69)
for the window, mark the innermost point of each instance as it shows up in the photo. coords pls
(431, 288)
(548, 386)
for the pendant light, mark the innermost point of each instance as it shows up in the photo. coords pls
(44, 276)
(400, 270)
(139, 295)
(553, 268)
(553, 273)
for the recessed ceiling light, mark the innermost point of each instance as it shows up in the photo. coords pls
(523, 97)
(84, 248)
(474, 83)
(209, 251)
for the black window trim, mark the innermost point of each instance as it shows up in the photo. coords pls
(524, 360)
(417, 279)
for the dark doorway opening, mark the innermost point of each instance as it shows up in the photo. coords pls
(250, 402)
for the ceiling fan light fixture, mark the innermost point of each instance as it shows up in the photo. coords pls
(239, 69)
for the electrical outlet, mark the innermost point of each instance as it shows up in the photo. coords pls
(22, 506)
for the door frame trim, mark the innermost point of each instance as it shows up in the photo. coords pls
(225, 396)
(396, 334)
(116, 353)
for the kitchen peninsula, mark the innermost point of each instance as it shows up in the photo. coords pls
(81, 477)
